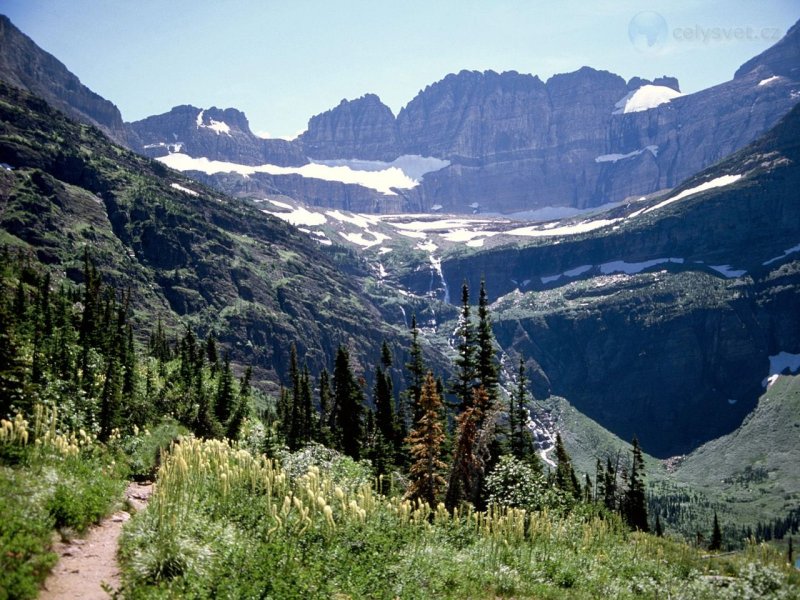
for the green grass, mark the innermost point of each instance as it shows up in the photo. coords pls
(223, 523)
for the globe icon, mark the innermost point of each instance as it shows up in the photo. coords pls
(648, 32)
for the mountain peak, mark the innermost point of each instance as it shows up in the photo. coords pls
(781, 59)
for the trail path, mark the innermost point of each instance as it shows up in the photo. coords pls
(86, 563)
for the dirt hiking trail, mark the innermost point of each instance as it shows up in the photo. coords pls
(86, 563)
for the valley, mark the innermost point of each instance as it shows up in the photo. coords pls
(602, 276)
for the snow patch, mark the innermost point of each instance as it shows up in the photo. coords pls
(299, 216)
(708, 185)
(420, 235)
(728, 271)
(380, 181)
(361, 221)
(582, 227)
(413, 166)
(768, 80)
(786, 253)
(361, 240)
(178, 186)
(427, 246)
(476, 243)
(778, 363)
(645, 98)
(280, 204)
(620, 266)
(577, 271)
(616, 157)
(217, 126)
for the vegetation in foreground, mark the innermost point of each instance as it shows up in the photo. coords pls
(224, 523)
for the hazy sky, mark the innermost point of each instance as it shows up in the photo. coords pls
(283, 61)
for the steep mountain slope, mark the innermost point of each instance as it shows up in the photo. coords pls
(24, 65)
(660, 320)
(508, 142)
(188, 254)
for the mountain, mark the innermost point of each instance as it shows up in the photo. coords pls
(506, 142)
(24, 65)
(189, 255)
(659, 318)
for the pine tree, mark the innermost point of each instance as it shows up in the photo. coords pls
(521, 438)
(426, 439)
(599, 481)
(349, 406)
(211, 354)
(384, 412)
(307, 407)
(474, 436)
(110, 400)
(325, 409)
(635, 506)
(296, 413)
(224, 403)
(790, 552)
(716, 535)
(610, 487)
(466, 370)
(565, 478)
(242, 408)
(487, 368)
(416, 371)
(659, 527)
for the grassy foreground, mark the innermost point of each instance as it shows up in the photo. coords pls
(226, 524)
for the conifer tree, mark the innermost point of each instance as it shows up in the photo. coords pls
(610, 487)
(468, 463)
(349, 406)
(716, 535)
(486, 360)
(241, 408)
(466, 370)
(416, 371)
(384, 412)
(521, 438)
(599, 481)
(635, 506)
(110, 400)
(325, 409)
(212, 356)
(224, 403)
(425, 440)
(295, 424)
(790, 552)
(565, 478)
(307, 407)
(659, 528)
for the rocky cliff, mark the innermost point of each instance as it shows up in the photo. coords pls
(661, 324)
(24, 65)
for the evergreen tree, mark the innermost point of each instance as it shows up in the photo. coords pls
(522, 446)
(110, 400)
(565, 478)
(635, 506)
(426, 439)
(296, 414)
(659, 527)
(716, 535)
(610, 487)
(307, 405)
(599, 481)
(325, 409)
(212, 356)
(349, 406)
(466, 369)
(487, 368)
(467, 469)
(242, 406)
(224, 403)
(382, 398)
(416, 371)
(790, 552)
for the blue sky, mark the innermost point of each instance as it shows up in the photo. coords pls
(283, 61)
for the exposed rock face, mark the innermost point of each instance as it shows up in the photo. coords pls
(24, 65)
(676, 353)
(216, 134)
(515, 143)
(363, 128)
